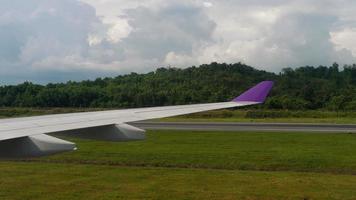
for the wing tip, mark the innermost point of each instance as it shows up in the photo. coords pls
(257, 94)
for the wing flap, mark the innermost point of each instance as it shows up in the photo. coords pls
(34, 146)
(115, 133)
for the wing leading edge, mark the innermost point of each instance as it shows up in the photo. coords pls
(29, 134)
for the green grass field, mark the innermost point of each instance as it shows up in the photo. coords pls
(192, 165)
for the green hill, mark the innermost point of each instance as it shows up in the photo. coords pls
(296, 89)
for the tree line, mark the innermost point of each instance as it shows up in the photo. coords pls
(307, 87)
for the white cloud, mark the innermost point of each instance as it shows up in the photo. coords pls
(50, 40)
(207, 4)
(119, 30)
(94, 39)
(179, 60)
(345, 39)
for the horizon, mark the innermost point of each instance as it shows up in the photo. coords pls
(341, 68)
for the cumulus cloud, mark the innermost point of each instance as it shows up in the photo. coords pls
(298, 39)
(270, 34)
(345, 39)
(50, 41)
(37, 31)
(63, 37)
(176, 28)
(275, 34)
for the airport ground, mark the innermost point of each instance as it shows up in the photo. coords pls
(192, 165)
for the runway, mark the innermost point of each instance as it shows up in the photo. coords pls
(222, 126)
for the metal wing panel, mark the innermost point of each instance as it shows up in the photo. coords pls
(54, 127)
(21, 127)
(14, 128)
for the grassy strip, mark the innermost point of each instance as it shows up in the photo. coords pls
(332, 153)
(61, 181)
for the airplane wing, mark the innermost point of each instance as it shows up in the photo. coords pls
(34, 136)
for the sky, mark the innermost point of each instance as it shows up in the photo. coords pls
(46, 41)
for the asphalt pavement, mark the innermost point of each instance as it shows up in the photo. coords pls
(228, 126)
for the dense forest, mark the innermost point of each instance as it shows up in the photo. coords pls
(308, 87)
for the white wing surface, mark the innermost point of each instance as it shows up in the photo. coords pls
(29, 136)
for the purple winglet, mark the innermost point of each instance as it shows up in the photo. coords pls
(257, 93)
